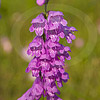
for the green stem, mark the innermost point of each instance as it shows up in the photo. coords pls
(44, 38)
(45, 8)
(46, 2)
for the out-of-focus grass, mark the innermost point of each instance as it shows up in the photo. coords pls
(84, 76)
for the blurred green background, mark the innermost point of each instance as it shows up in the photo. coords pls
(83, 68)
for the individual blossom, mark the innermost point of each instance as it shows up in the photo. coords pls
(57, 73)
(44, 62)
(36, 47)
(52, 35)
(35, 92)
(33, 67)
(53, 98)
(50, 87)
(55, 18)
(57, 49)
(63, 54)
(40, 2)
(67, 32)
(61, 77)
(38, 24)
(52, 47)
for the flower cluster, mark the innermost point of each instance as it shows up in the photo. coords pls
(48, 55)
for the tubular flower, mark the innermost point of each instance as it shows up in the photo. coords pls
(35, 92)
(49, 55)
(55, 18)
(38, 24)
(67, 32)
(56, 26)
(36, 47)
(40, 2)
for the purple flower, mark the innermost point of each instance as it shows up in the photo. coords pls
(61, 31)
(49, 55)
(35, 92)
(44, 63)
(55, 18)
(52, 34)
(38, 24)
(57, 73)
(57, 49)
(56, 26)
(38, 64)
(53, 98)
(36, 47)
(67, 32)
(33, 67)
(40, 2)
(50, 87)
(52, 47)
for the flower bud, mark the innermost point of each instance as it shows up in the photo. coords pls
(40, 2)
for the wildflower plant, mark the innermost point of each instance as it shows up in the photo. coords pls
(48, 54)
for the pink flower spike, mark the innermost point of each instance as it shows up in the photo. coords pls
(40, 2)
